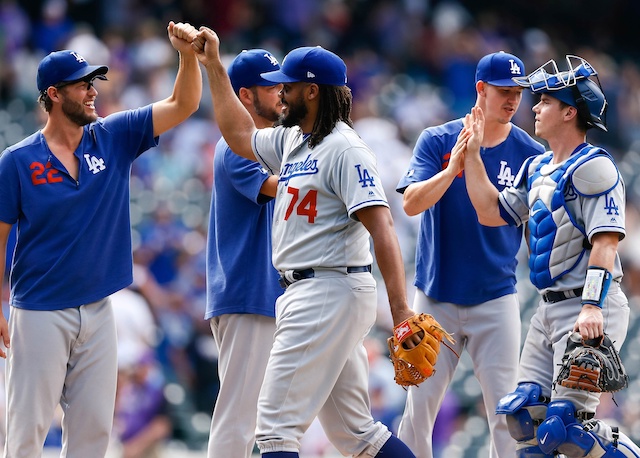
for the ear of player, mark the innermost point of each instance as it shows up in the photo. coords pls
(414, 365)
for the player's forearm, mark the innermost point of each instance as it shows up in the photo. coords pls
(270, 186)
(379, 223)
(421, 196)
(391, 267)
(483, 194)
(605, 247)
(187, 90)
(234, 121)
(185, 98)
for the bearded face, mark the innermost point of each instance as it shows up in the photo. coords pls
(76, 112)
(295, 110)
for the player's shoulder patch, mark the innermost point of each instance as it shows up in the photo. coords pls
(595, 176)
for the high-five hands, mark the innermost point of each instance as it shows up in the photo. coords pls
(206, 45)
(469, 139)
(181, 36)
(474, 127)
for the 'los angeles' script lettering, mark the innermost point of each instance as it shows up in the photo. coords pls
(306, 167)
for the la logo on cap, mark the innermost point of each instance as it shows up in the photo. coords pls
(78, 57)
(514, 67)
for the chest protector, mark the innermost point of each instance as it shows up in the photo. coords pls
(557, 241)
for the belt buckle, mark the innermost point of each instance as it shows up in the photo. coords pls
(288, 277)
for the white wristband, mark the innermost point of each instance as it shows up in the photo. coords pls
(596, 285)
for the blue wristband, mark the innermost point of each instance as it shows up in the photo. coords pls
(596, 286)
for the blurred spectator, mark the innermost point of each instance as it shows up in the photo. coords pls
(14, 34)
(141, 424)
(54, 27)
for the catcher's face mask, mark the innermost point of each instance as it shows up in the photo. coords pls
(574, 87)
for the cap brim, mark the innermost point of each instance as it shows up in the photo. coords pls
(278, 77)
(88, 72)
(509, 82)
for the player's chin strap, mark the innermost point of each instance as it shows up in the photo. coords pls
(596, 286)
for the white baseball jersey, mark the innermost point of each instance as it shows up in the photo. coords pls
(319, 191)
(602, 212)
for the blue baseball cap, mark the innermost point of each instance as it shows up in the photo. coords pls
(499, 68)
(246, 68)
(310, 64)
(65, 67)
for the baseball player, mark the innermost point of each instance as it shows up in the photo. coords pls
(242, 284)
(574, 200)
(465, 272)
(329, 202)
(67, 189)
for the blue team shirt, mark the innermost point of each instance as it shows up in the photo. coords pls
(457, 259)
(240, 274)
(73, 237)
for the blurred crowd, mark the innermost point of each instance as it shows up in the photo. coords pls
(411, 65)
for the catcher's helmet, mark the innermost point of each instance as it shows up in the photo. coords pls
(573, 87)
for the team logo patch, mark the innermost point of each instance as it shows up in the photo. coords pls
(365, 178)
(514, 67)
(610, 205)
(272, 59)
(402, 330)
(505, 177)
(95, 164)
(78, 57)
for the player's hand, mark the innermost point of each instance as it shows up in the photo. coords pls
(456, 158)
(474, 123)
(181, 36)
(401, 316)
(4, 335)
(207, 46)
(590, 323)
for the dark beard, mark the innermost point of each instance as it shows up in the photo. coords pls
(75, 113)
(296, 113)
(266, 113)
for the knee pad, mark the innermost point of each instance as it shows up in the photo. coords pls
(525, 409)
(563, 433)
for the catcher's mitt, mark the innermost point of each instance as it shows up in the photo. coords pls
(414, 365)
(593, 365)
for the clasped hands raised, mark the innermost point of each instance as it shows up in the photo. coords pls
(468, 141)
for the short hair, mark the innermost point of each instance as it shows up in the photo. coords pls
(45, 101)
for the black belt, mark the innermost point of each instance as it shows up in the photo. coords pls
(552, 297)
(293, 276)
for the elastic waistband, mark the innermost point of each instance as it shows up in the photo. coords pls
(289, 277)
(551, 297)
